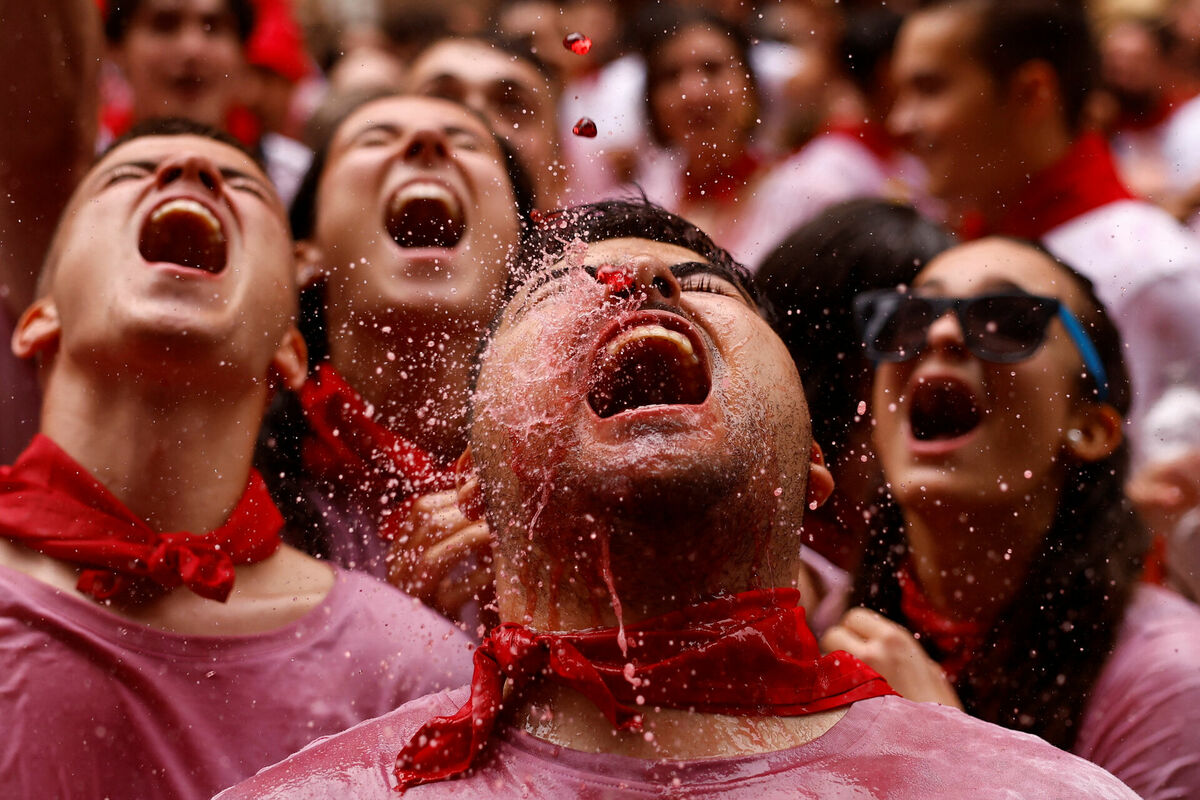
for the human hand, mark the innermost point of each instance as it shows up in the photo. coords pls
(893, 652)
(441, 555)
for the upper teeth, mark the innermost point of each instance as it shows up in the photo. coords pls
(423, 190)
(182, 204)
(645, 332)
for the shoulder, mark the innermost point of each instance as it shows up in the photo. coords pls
(1144, 709)
(1134, 236)
(355, 763)
(924, 744)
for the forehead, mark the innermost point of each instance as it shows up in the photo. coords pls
(936, 41)
(404, 111)
(156, 148)
(475, 63)
(698, 43)
(992, 263)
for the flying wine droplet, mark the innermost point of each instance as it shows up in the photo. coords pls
(617, 279)
(577, 43)
(585, 128)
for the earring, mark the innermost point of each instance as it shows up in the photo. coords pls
(1075, 435)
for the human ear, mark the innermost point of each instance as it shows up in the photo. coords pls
(310, 262)
(820, 480)
(1034, 89)
(38, 330)
(290, 362)
(1096, 432)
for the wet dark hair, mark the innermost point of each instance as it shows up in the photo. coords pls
(1043, 654)
(866, 44)
(556, 231)
(661, 26)
(180, 126)
(1010, 33)
(121, 13)
(811, 279)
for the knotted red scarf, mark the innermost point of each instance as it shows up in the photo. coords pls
(747, 654)
(1082, 180)
(957, 641)
(49, 503)
(347, 448)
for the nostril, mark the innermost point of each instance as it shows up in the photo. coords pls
(172, 174)
(662, 286)
(209, 181)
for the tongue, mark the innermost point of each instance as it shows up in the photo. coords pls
(425, 222)
(184, 233)
(647, 369)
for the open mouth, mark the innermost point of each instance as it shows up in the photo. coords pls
(656, 363)
(425, 214)
(184, 232)
(942, 409)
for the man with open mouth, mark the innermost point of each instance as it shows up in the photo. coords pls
(156, 638)
(406, 224)
(644, 455)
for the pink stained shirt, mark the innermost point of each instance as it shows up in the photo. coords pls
(93, 705)
(1143, 720)
(886, 747)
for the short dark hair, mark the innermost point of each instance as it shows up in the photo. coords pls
(181, 126)
(1011, 33)
(507, 45)
(556, 231)
(121, 13)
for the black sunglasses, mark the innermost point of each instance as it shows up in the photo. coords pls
(1002, 328)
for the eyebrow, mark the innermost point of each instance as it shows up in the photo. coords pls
(991, 285)
(227, 173)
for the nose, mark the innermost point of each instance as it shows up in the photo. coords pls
(190, 167)
(426, 145)
(901, 119)
(648, 278)
(946, 335)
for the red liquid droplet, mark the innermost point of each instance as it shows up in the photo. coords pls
(617, 279)
(585, 128)
(577, 43)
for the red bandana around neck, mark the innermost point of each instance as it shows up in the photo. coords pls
(958, 641)
(724, 186)
(51, 504)
(1082, 180)
(749, 654)
(348, 448)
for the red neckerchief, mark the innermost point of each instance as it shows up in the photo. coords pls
(749, 654)
(51, 504)
(724, 185)
(869, 135)
(347, 448)
(1082, 180)
(1166, 106)
(957, 641)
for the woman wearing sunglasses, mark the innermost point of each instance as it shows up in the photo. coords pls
(1012, 554)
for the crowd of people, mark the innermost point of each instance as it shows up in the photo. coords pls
(542, 398)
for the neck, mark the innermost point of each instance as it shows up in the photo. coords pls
(583, 570)
(177, 456)
(971, 564)
(1035, 151)
(565, 717)
(420, 390)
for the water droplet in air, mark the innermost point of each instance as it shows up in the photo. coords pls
(577, 43)
(585, 128)
(1028, 473)
(862, 406)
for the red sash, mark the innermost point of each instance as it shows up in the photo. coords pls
(749, 654)
(957, 641)
(347, 448)
(51, 504)
(1082, 180)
